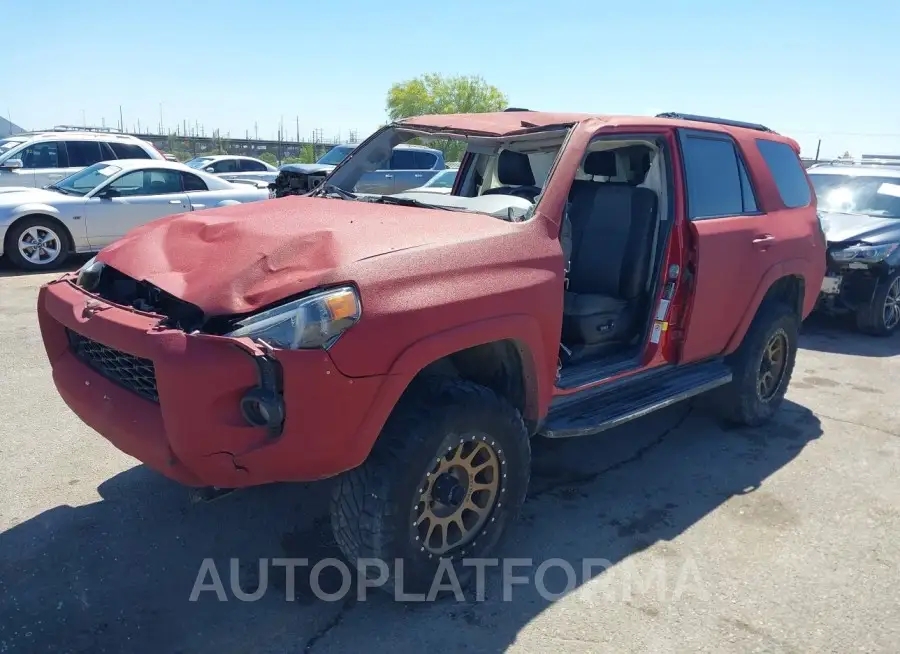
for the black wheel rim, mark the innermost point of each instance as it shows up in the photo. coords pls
(892, 305)
(772, 366)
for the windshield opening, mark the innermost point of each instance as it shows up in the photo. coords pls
(8, 144)
(505, 176)
(199, 162)
(335, 155)
(87, 179)
(858, 194)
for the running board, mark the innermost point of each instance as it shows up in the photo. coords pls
(610, 405)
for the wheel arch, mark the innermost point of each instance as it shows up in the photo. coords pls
(785, 282)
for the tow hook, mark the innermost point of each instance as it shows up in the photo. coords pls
(263, 405)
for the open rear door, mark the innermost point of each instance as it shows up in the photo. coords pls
(730, 238)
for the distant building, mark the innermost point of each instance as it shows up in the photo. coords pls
(7, 128)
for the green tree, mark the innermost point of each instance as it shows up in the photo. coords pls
(433, 93)
(269, 158)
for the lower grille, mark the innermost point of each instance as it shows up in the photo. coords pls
(128, 371)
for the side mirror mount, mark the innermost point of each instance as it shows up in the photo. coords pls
(12, 164)
(107, 193)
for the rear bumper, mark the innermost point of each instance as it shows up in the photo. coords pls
(195, 433)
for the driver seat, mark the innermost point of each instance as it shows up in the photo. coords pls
(514, 172)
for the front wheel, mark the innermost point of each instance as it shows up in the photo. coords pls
(446, 478)
(761, 367)
(37, 244)
(881, 317)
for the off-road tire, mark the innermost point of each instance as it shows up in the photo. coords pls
(870, 318)
(371, 505)
(739, 401)
(11, 246)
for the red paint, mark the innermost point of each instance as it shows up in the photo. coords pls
(431, 282)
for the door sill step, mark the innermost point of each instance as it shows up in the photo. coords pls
(593, 411)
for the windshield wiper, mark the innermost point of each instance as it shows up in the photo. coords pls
(409, 202)
(332, 191)
(54, 187)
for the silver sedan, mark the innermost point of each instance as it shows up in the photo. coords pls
(87, 211)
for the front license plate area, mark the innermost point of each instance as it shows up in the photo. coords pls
(831, 285)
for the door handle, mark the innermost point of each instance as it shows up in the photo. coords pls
(417, 175)
(55, 176)
(175, 202)
(765, 238)
(389, 177)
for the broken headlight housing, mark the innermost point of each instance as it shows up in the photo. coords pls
(865, 253)
(315, 321)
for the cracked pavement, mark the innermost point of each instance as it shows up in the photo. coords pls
(788, 535)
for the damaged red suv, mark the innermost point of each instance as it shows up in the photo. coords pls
(584, 271)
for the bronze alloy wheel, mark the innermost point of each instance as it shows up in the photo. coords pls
(458, 495)
(772, 365)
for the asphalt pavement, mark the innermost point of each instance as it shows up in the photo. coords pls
(702, 538)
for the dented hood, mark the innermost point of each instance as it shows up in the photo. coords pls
(241, 258)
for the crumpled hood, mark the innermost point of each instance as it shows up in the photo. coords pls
(852, 228)
(233, 260)
(307, 169)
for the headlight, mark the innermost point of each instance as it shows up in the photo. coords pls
(313, 322)
(88, 276)
(865, 253)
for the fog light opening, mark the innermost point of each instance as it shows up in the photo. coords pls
(263, 408)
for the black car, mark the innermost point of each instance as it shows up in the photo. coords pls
(859, 207)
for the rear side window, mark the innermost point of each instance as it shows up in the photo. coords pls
(226, 166)
(129, 151)
(424, 160)
(786, 169)
(717, 179)
(403, 160)
(252, 166)
(83, 153)
(193, 183)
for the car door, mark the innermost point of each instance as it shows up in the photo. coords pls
(411, 169)
(41, 165)
(133, 199)
(732, 244)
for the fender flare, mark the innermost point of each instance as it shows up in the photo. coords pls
(520, 328)
(789, 268)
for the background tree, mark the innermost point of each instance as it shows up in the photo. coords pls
(436, 94)
(269, 158)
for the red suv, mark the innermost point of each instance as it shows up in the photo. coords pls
(584, 271)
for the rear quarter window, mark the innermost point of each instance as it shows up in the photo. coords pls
(787, 171)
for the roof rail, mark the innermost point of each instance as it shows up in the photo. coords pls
(875, 163)
(76, 128)
(716, 121)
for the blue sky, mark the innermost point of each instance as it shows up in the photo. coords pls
(811, 69)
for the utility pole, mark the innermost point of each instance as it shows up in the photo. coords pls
(818, 148)
(256, 129)
(139, 126)
(298, 129)
(160, 118)
(121, 120)
(83, 119)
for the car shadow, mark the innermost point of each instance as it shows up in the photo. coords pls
(74, 262)
(116, 575)
(838, 335)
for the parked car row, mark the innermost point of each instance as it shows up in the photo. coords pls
(583, 272)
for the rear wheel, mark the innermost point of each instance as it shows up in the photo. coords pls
(37, 244)
(881, 317)
(446, 478)
(761, 367)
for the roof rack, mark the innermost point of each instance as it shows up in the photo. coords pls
(76, 128)
(867, 161)
(516, 109)
(716, 121)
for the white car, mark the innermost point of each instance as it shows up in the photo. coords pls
(229, 166)
(42, 158)
(440, 183)
(89, 210)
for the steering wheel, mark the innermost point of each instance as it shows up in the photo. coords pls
(525, 192)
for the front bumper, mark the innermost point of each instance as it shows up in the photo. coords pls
(195, 433)
(848, 287)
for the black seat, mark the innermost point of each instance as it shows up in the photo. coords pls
(514, 172)
(612, 227)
